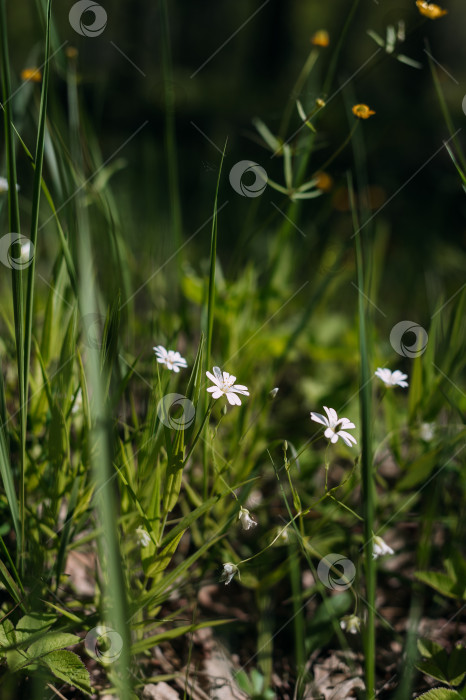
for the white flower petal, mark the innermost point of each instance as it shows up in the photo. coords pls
(332, 415)
(240, 389)
(319, 418)
(233, 399)
(218, 374)
(212, 378)
(347, 438)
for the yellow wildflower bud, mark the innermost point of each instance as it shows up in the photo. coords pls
(430, 10)
(362, 111)
(320, 38)
(33, 74)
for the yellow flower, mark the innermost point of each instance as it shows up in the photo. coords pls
(430, 10)
(320, 102)
(320, 38)
(362, 111)
(33, 74)
(71, 52)
(324, 181)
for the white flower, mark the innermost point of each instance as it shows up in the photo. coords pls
(390, 378)
(281, 536)
(246, 521)
(143, 537)
(427, 431)
(4, 185)
(332, 422)
(25, 255)
(351, 623)
(78, 402)
(225, 384)
(380, 548)
(273, 393)
(170, 358)
(229, 570)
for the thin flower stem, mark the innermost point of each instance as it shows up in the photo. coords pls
(341, 147)
(327, 465)
(368, 490)
(198, 435)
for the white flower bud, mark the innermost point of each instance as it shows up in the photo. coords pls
(380, 548)
(246, 521)
(143, 537)
(229, 571)
(350, 623)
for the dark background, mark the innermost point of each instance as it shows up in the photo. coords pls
(253, 76)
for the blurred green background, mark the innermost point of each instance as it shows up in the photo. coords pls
(259, 57)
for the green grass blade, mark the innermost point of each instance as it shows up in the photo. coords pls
(101, 436)
(17, 275)
(36, 190)
(211, 309)
(368, 489)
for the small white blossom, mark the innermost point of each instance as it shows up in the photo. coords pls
(225, 386)
(380, 548)
(336, 427)
(351, 623)
(390, 378)
(246, 521)
(78, 402)
(143, 537)
(427, 431)
(273, 393)
(25, 255)
(229, 570)
(4, 185)
(171, 359)
(282, 536)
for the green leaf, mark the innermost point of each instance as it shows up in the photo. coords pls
(67, 666)
(321, 629)
(149, 642)
(419, 470)
(456, 669)
(428, 648)
(16, 659)
(442, 583)
(7, 633)
(52, 642)
(440, 694)
(162, 559)
(10, 585)
(430, 668)
(33, 624)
